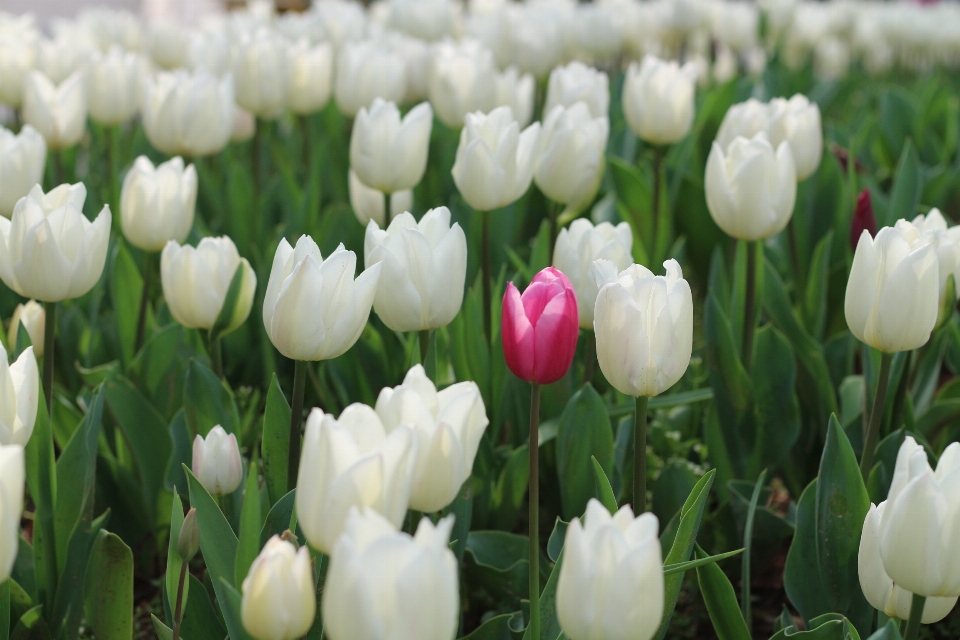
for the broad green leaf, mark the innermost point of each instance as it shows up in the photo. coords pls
(497, 628)
(109, 588)
(549, 623)
(276, 440)
(68, 606)
(163, 631)
(776, 410)
(208, 401)
(42, 484)
(673, 485)
(721, 601)
(32, 626)
(907, 187)
(499, 561)
(22, 341)
(5, 609)
(828, 627)
(126, 289)
(171, 578)
(666, 401)
(801, 576)
(815, 297)
(235, 307)
(248, 545)
(583, 433)
(889, 631)
(230, 606)
(556, 539)
(604, 490)
(200, 618)
(278, 518)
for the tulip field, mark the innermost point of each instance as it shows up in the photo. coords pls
(494, 320)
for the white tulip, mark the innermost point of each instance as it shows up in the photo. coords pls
(429, 20)
(60, 57)
(216, 462)
(462, 80)
(517, 92)
(611, 576)
(536, 37)
(188, 114)
(19, 396)
(211, 50)
(34, 320)
(892, 293)
(244, 125)
(23, 157)
(49, 251)
(261, 73)
(366, 70)
(416, 55)
(597, 31)
(157, 203)
(279, 600)
(932, 227)
(387, 585)
(577, 248)
(570, 157)
(744, 120)
(368, 204)
(644, 327)
(658, 99)
(751, 189)
(389, 153)
(58, 112)
(311, 77)
(351, 461)
(447, 427)
(577, 82)
(342, 21)
(196, 282)
(114, 86)
(18, 56)
(797, 121)
(168, 44)
(495, 160)
(313, 308)
(12, 480)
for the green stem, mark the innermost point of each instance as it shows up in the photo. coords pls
(655, 199)
(589, 356)
(296, 417)
(900, 395)
(798, 275)
(113, 146)
(487, 276)
(916, 613)
(216, 357)
(57, 168)
(747, 546)
(553, 212)
(425, 336)
(148, 269)
(178, 612)
(640, 456)
(876, 415)
(49, 333)
(534, 500)
(387, 197)
(749, 315)
(5, 609)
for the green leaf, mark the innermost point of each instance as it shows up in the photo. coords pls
(681, 567)
(673, 485)
(604, 490)
(230, 606)
(163, 631)
(818, 284)
(556, 539)
(497, 628)
(721, 601)
(200, 619)
(208, 401)
(276, 441)
(126, 289)
(827, 627)
(583, 432)
(42, 484)
(776, 409)
(278, 518)
(235, 307)
(68, 607)
(666, 401)
(549, 623)
(801, 576)
(109, 588)
(907, 187)
(248, 545)
(31, 626)
(499, 561)
(171, 578)
(22, 341)
(888, 631)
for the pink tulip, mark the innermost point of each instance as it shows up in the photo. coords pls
(540, 327)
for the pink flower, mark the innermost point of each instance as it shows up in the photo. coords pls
(540, 327)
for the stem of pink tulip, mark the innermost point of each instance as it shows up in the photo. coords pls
(49, 335)
(640, 455)
(916, 613)
(148, 268)
(876, 414)
(534, 516)
(485, 268)
(296, 418)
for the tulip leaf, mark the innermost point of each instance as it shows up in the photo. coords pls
(171, 578)
(248, 545)
(274, 448)
(556, 539)
(496, 628)
(163, 631)
(230, 606)
(584, 432)
(469, 350)
(228, 320)
(818, 285)
(208, 401)
(907, 187)
(801, 576)
(109, 588)
(67, 611)
(278, 518)
(31, 626)
(499, 562)
(776, 411)
(721, 601)
(549, 623)
(826, 627)
(22, 341)
(42, 485)
(604, 490)
(126, 289)
(200, 619)
(889, 631)
(680, 567)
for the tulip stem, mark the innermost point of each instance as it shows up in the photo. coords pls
(49, 333)
(640, 456)
(148, 267)
(178, 611)
(425, 336)
(485, 268)
(655, 199)
(387, 197)
(916, 613)
(296, 417)
(553, 212)
(750, 305)
(876, 414)
(900, 395)
(216, 357)
(534, 499)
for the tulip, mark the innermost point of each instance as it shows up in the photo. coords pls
(611, 576)
(797, 121)
(20, 395)
(12, 480)
(577, 248)
(462, 80)
(517, 92)
(389, 153)
(157, 203)
(536, 35)
(447, 427)
(429, 20)
(279, 600)
(261, 73)
(416, 55)
(577, 82)
(351, 461)
(863, 219)
(658, 99)
(383, 584)
(570, 157)
(188, 114)
(368, 204)
(244, 125)
(946, 243)
(168, 44)
(58, 112)
(188, 542)
(751, 189)
(211, 50)
(744, 120)
(424, 268)
(114, 84)
(33, 319)
(366, 70)
(23, 157)
(18, 54)
(66, 53)
(216, 462)
(311, 77)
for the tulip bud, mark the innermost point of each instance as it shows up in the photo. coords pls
(517, 92)
(12, 480)
(462, 80)
(644, 327)
(58, 112)
(33, 319)
(495, 161)
(540, 327)
(188, 114)
(216, 462)
(366, 70)
(611, 578)
(157, 203)
(797, 121)
(368, 204)
(313, 308)
(311, 76)
(387, 153)
(23, 157)
(351, 461)
(570, 156)
(863, 219)
(658, 99)
(261, 73)
(20, 390)
(114, 81)
(577, 82)
(891, 299)
(424, 267)
(49, 251)
(751, 189)
(412, 579)
(576, 249)
(447, 427)
(196, 283)
(279, 600)
(189, 541)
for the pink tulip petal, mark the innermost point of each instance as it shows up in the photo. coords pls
(518, 335)
(556, 338)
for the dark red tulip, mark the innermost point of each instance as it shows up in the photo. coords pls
(863, 219)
